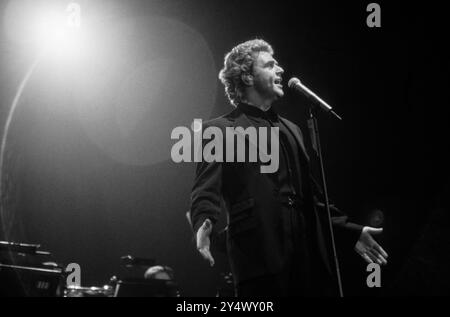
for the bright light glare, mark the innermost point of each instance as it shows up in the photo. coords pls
(54, 37)
(45, 27)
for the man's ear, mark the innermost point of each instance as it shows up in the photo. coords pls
(247, 79)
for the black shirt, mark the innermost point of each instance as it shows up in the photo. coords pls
(292, 166)
(288, 175)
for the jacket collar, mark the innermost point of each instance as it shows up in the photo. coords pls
(257, 113)
(240, 118)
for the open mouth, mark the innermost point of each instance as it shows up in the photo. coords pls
(277, 81)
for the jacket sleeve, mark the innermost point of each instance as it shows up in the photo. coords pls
(206, 194)
(344, 229)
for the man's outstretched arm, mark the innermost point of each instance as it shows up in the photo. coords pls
(368, 248)
(206, 198)
(365, 244)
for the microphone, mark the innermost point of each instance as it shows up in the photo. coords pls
(297, 85)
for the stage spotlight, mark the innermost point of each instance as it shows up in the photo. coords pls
(57, 36)
(50, 28)
(52, 34)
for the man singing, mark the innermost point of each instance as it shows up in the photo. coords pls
(278, 238)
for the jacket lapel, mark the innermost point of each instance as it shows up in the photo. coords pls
(296, 134)
(239, 119)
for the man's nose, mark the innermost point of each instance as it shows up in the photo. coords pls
(280, 70)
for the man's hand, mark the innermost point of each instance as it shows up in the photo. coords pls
(204, 242)
(368, 248)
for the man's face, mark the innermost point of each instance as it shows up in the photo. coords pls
(267, 77)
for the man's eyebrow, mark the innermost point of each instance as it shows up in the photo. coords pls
(271, 62)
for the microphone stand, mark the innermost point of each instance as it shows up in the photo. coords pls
(315, 140)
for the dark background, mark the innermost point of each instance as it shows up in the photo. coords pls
(389, 153)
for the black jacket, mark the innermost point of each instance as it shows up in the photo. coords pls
(255, 224)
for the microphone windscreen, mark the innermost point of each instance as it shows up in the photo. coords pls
(293, 81)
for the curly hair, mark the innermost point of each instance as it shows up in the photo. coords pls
(237, 62)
